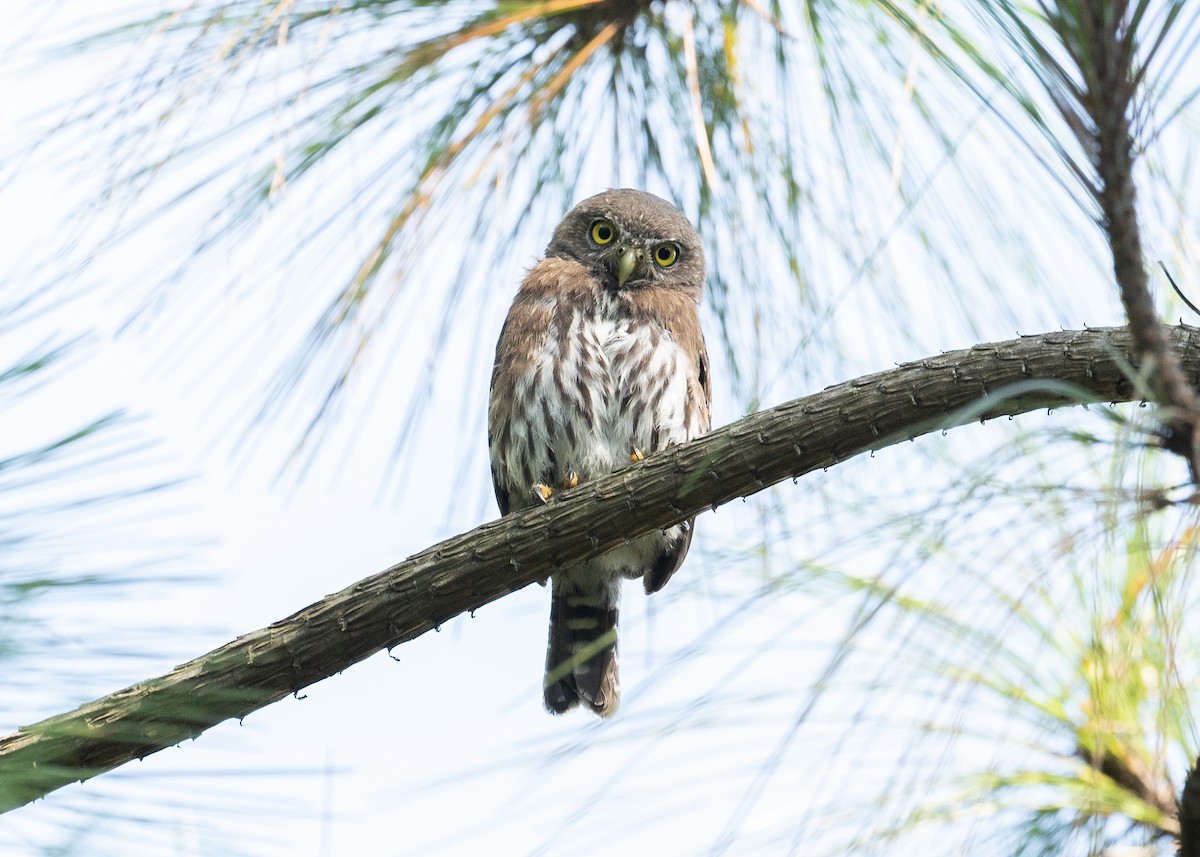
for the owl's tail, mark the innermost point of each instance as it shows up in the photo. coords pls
(581, 658)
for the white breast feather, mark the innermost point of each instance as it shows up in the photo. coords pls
(634, 362)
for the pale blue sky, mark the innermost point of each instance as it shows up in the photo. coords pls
(447, 750)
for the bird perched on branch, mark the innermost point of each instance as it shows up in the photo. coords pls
(601, 362)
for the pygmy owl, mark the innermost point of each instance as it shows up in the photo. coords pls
(601, 361)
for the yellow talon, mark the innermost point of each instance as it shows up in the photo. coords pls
(571, 479)
(636, 455)
(542, 491)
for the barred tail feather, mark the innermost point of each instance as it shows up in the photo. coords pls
(581, 657)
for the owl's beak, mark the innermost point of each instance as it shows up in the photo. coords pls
(631, 257)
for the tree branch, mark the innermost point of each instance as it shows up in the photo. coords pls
(473, 569)
(1189, 814)
(1112, 90)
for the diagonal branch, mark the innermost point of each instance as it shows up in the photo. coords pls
(473, 569)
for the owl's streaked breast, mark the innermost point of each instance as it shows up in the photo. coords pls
(585, 377)
(629, 389)
(599, 385)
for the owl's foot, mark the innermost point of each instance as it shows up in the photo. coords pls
(636, 455)
(544, 492)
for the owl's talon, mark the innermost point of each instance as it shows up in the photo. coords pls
(542, 491)
(636, 455)
(571, 480)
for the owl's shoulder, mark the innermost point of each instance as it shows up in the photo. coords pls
(554, 278)
(550, 295)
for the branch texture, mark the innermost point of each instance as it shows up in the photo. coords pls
(468, 571)
(1105, 57)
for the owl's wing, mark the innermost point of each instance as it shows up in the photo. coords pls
(501, 494)
(704, 394)
(514, 350)
(498, 481)
(520, 348)
(699, 404)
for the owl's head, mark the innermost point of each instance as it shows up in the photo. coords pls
(630, 240)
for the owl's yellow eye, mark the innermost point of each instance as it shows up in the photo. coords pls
(603, 232)
(666, 255)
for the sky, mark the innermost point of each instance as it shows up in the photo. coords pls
(734, 717)
(443, 748)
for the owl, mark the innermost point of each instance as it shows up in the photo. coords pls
(601, 361)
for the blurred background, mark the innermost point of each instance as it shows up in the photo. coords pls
(254, 258)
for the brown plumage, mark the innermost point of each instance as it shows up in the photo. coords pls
(601, 360)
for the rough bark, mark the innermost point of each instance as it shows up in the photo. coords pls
(1189, 814)
(1109, 99)
(473, 569)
